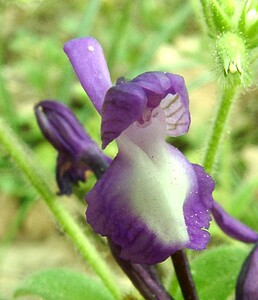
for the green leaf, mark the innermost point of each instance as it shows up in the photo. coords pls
(63, 284)
(215, 272)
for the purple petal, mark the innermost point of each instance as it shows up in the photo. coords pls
(247, 283)
(89, 63)
(124, 103)
(133, 205)
(197, 210)
(233, 227)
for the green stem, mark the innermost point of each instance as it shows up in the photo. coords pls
(27, 163)
(229, 93)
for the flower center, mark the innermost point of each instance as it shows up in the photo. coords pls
(171, 113)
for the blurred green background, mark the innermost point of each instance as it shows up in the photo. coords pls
(136, 36)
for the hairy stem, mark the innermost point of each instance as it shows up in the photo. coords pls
(219, 125)
(30, 168)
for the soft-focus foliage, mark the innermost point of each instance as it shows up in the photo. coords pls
(62, 284)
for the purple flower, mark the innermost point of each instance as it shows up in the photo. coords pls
(247, 282)
(76, 151)
(151, 201)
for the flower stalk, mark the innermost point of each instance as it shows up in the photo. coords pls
(184, 276)
(30, 168)
(142, 276)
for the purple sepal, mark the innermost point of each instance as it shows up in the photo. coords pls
(123, 105)
(76, 151)
(88, 61)
(233, 227)
(197, 210)
(247, 282)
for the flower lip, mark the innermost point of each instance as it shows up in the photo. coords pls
(134, 100)
(132, 208)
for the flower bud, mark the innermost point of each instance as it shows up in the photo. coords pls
(76, 151)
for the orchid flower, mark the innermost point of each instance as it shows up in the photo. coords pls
(151, 201)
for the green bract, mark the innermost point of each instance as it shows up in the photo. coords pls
(231, 57)
(234, 27)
